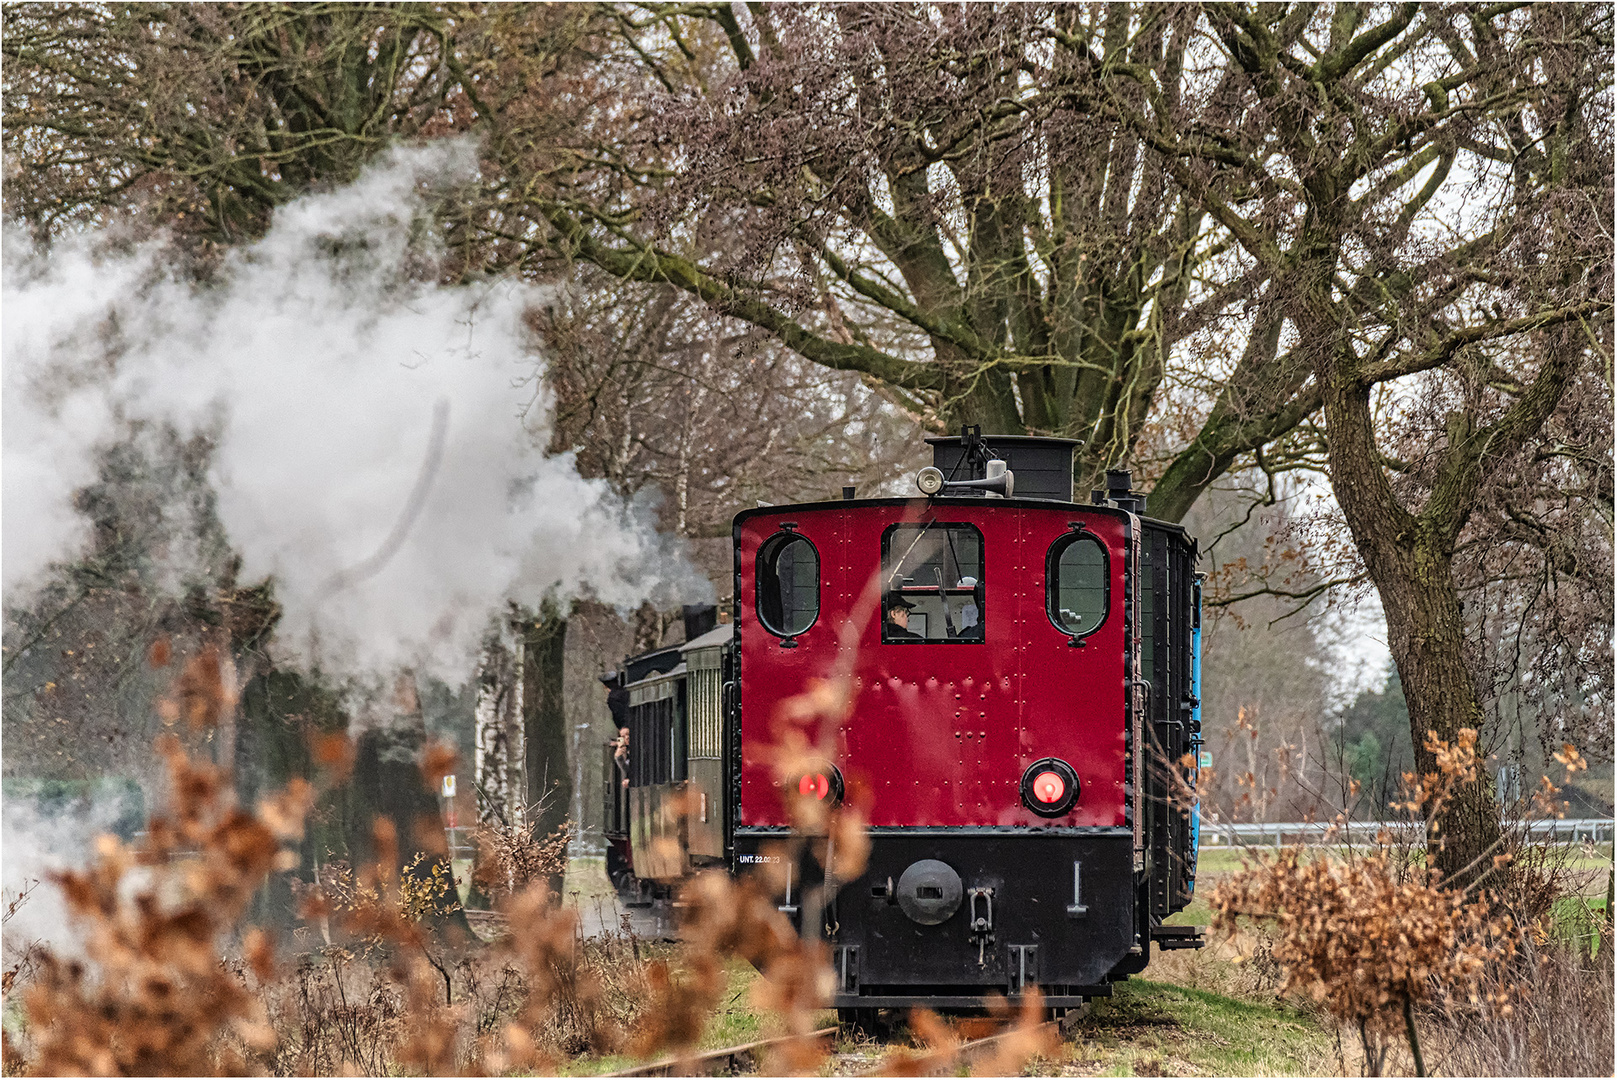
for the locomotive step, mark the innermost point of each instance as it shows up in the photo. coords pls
(1179, 937)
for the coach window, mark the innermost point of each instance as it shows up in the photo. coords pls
(932, 584)
(788, 584)
(1075, 589)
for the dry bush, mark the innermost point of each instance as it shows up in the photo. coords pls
(18, 960)
(395, 995)
(333, 1012)
(1368, 941)
(1557, 1013)
(160, 1000)
(1557, 1020)
(511, 855)
(1375, 938)
(346, 1010)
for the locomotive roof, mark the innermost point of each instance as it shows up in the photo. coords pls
(1041, 440)
(937, 502)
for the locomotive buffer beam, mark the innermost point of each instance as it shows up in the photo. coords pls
(1179, 937)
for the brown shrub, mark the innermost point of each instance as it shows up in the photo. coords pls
(512, 856)
(394, 995)
(1556, 1019)
(1375, 939)
(160, 1001)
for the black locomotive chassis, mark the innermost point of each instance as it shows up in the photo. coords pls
(1040, 935)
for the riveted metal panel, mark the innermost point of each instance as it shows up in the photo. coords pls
(936, 734)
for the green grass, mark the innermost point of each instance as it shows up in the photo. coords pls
(1580, 918)
(1150, 1027)
(1225, 860)
(735, 1023)
(1197, 914)
(1218, 860)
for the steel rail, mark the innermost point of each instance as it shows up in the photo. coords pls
(715, 1062)
(967, 1055)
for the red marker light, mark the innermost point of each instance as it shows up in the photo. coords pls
(1048, 787)
(814, 784)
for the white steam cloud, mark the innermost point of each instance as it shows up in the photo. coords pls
(378, 440)
(39, 841)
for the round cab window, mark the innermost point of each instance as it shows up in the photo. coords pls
(1076, 575)
(788, 584)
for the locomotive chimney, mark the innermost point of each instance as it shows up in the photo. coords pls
(699, 619)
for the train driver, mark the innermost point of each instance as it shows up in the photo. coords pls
(897, 625)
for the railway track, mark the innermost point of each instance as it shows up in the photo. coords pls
(967, 1056)
(733, 1060)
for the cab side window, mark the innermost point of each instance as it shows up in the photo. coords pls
(788, 584)
(1076, 584)
(932, 583)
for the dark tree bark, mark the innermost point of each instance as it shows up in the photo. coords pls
(550, 780)
(279, 713)
(387, 783)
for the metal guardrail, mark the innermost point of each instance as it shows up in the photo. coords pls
(1280, 833)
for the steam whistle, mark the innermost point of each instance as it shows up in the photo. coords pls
(1000, 481)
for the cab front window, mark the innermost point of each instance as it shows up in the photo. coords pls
(788, 584)
(932, 583)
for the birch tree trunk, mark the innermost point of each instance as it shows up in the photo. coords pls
(499, 736)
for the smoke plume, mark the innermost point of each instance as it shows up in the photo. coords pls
(378, 440)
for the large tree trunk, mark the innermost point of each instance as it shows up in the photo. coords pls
(280, 712)
(550, 784)
(388, 783)
(1409, 559)
(1425, 634)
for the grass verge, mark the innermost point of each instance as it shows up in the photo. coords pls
(1159, 1029)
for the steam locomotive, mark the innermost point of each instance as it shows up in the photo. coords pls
(1020, 729)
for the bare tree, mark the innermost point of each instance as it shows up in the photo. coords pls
(1429, 190)
(652, 389)
(924, 195)
(1266, 666)
(204, 117)
(500, 749)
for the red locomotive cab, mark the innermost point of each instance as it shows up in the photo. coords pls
(935, 651)
(964, 670)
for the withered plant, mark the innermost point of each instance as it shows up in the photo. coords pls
(159, 1000)
(392, 995)
(513, 855)
(1372, 935)
(18, 960)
